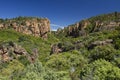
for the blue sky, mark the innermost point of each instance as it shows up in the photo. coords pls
(60, 12)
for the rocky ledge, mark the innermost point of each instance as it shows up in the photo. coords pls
(28, 25)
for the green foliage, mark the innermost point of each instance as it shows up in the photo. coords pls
(90, 28)
(8, 35)
(66, 46)
(1, 20)
(117, 43)
(105, 17)
(22, 38)
(24, 60)
(72, 62)
(103, 52)
(53, 75)
(36, 71)
(75, 58)
(65, 61)
(10, 69)
(100, 70)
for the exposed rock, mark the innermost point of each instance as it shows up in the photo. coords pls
(1, 26)
(77, 29)
(19, 50)
(108, 25)
(10, 51)
(34, 56)
(100, 43)
(67, 46)
(94, 24)
(55, 49)
(33, 26)
(78, 44)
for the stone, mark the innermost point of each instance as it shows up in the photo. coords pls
(38, 27)
(55, 49)
(10, 51)
(99, 43)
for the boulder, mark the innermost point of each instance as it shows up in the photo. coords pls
(55, 49)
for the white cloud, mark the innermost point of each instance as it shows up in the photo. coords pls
(54, 27)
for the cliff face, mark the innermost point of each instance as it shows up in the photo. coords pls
(33, 26)
(82, 28)
(93, 24)
(78, 28)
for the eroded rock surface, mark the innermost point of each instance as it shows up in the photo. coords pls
(33, 26)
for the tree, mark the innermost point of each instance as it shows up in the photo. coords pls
(36, 71)
(72, 62)
(116, 16)
(8, 71)
(106, 52)
(100, 70)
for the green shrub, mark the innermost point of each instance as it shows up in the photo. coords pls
(102, 52)
(100, 70)
(36, 71)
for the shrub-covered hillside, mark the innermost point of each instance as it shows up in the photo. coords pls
(94, 24)
(65, 54)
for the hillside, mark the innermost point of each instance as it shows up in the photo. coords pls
(86, 50)
(28, 25)
(94, 24)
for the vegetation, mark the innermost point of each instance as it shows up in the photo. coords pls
(100, 70)
(75, 62)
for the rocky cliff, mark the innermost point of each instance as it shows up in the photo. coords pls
(93, 24)
(28, 25)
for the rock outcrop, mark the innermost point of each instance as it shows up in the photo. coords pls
(67, 46)
(93, 24)
(85, 26)
(108, 25)
(78, 28)
(100, 43)
(28, 25)
(10, 51)
(55, 49)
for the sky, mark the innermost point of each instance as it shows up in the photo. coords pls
(60, 12)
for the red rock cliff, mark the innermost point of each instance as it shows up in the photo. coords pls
(28, 25)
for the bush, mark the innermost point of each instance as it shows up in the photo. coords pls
(23, 38)
(102, 52)
(100, 70)
(36, 71)
(71, 62)
(13, 66)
